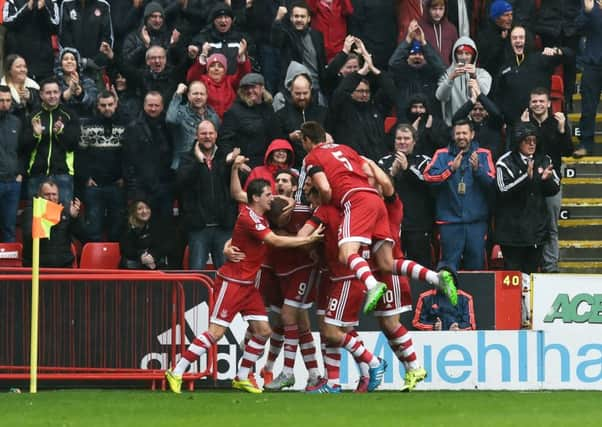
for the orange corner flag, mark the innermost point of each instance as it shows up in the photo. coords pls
(45, 215)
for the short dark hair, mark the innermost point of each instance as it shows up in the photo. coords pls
(154, 93)
(313, 131)
(288, 171)
(255, 188)
(4, 88)
(301, 4)
(105, 94)
(540, 91)
(49, 81)
(463, 122)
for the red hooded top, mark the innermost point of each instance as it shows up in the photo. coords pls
(267, 171)
(331, 21)
(441, 36)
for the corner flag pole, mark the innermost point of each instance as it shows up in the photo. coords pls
(35, 291)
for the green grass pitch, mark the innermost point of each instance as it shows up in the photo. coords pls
(88, 408)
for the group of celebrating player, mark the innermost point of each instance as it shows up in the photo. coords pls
(357, 215)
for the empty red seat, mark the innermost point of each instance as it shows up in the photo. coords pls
(11, 255)
(100, 255)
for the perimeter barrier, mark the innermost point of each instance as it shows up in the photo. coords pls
(96, 325)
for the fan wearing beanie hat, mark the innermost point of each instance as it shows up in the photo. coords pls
(498, 8)
(212, 70)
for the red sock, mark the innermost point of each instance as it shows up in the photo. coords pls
(199, 346)
(308, 350)
(401, 343)
(357, 349)
(253, 351)
(332, 364)
(276, 341)
(404, 267)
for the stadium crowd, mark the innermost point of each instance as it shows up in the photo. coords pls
(148, 120)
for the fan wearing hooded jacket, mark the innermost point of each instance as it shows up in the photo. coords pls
(439, 32)
(454, 85)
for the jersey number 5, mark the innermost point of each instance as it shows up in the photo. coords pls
(341, 158)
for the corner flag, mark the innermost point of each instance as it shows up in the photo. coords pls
(45, 215)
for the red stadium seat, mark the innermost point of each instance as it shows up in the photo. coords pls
(389, 123)
(496, 260)
(11, 255)
(103, 255)
(557, 93)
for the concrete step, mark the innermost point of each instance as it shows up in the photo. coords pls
(597, 138)
(577, 103)
(580, 267)
(574, 120)
(581, 188)
(579, 229)
(586, 167)
(580, 209)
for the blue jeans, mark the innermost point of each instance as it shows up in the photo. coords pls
(64, 182)
(105, 208)
(209, 240)
(269, 58)
(9, 202)
(463, 245)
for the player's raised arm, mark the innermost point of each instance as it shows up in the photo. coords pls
(380, 177)
(321, 183)
(236, 190)
(294, 241)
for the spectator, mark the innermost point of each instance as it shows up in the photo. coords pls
(300, 106)
(185, 118)
(130, 104)
(11, 173)
(220, 35)
(374, 22)
(260, 15)
(100, 168)
(523, 71)
(211, 70)
(486, 119)
(78, 91)
(590, 22)
(148, 153)
(146, 242)
(494, 36)
(432, 133)
(330, 19)
(416, 68)
(407, 168)
(523, 11)
(279, 156)
(344, 63)
(554, 138)
(408, 11)
(298, 42)
(208, 212)
(152, 32)
(50, 138)
(438, 31)
(24, 91)
(251, 122)
(157, 75)
(434, 312)
(84, 26)
(56, 250)
(125, 17)
(463, 179)
(454, 85)
(30, 26)
(358, 109)
(557, 26)
(459, 13)
(525, 178)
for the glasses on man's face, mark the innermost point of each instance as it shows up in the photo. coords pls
(530, 140)
(362, 91)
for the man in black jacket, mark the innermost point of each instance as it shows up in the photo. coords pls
(554, 139)
(50, 139)
(11, 173)
(208, 210)
(358, 109)
(56, 250)
(406, 168)
(100, 169)
(30, 26)
(250, 123)
(147, 155)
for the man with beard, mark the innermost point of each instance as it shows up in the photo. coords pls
(463, 178)
(416, 68)
(300, 106)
